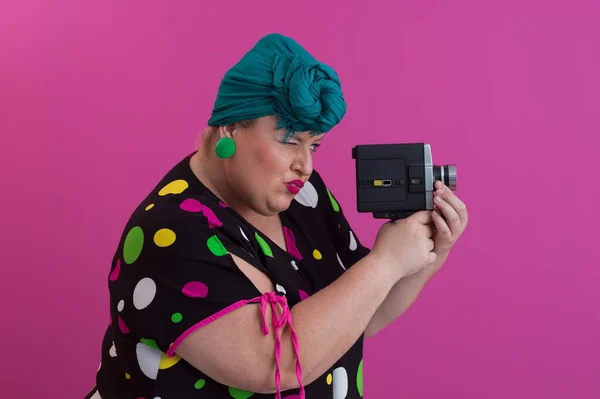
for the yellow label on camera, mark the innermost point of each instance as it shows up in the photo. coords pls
(378, 183)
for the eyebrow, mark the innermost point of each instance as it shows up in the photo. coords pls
(311, 135)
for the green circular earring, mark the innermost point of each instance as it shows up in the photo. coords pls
(225, 147)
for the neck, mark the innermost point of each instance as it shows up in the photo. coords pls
(216, 181)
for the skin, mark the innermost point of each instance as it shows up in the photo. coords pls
(450, 219)
(262, 154)
(367, 297)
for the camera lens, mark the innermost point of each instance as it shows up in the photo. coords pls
(446, 174)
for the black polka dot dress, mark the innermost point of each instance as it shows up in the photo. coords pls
(173, 272)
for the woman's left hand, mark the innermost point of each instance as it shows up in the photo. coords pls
(454, 221)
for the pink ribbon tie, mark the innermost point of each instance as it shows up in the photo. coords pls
(266, 299)
(272, 299)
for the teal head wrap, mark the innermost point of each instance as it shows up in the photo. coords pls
(279, 77)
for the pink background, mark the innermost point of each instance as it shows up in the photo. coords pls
(98, 99)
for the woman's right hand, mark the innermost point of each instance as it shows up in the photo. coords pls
(405, 246)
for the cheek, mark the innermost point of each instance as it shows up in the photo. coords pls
(270, 162)
(261, 166)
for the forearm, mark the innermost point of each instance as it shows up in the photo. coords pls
(401, 297)
(329, 322)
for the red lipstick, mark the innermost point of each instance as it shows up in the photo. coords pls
(294, 186)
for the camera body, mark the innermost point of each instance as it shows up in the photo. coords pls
(393, 181)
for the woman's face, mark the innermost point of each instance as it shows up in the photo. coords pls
(265, 172)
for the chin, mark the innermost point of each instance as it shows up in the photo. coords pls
(275, 207)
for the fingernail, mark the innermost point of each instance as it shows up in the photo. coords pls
(438, 184)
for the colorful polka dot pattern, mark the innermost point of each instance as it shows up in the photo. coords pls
(239, 393)
(334, 203)
(148, 360)
(114, 275)
(168, 361)
(176, 317)
(290, 242)
(134, 242)
(359, 378)
(340, 383)
(303, 294)
(151, 360)
(175, 187)
(145, 293)
(193, 205)
(122, 326)
(164, 238)
(112, 352)
(317, 254)
(200, 384)
(279, 288)
(215, 246)
(262, 243)
(353, 244)
(195, 289)
(308, 195)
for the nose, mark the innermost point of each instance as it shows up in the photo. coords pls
(303, 163)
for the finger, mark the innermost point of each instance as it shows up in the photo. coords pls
(450, 215)
(440, 224)
(451, 198)
(423, 217)
(432, 257)
(428, 229)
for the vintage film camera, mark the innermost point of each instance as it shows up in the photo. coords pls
(393, 181)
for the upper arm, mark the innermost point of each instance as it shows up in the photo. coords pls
(232, 349)
(187, 272)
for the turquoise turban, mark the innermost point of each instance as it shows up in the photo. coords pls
(279, 77)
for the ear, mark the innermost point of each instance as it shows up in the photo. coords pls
(227, 131)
